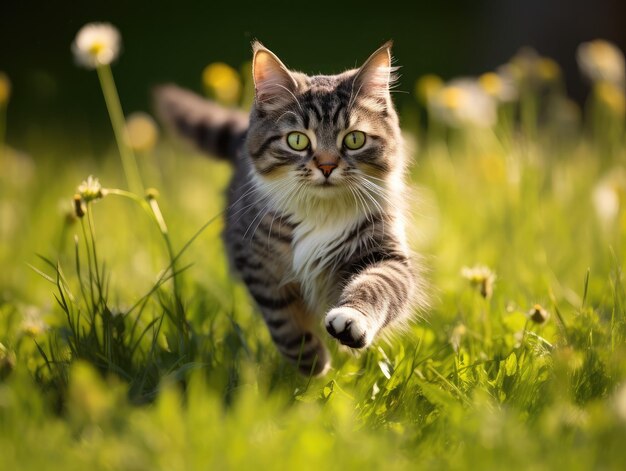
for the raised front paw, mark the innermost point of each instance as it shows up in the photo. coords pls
(349, 326)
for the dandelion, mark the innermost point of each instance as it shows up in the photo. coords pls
(95, 47)
(427, 86)
(96, 44)
(611, 96)
(501, 86)
(530, 69)
(538, 314)
(223, 82)
(547, 69)
(480, 277)
(5, 89)
(33, 324)
(90, 190)
(463, 102)
(141, 132)
(601, 60)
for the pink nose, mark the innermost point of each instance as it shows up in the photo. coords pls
(327, 168)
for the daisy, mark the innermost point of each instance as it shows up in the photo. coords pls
(96, 44)
(601, 60)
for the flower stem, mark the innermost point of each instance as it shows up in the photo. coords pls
(151, 206)
(114, 107)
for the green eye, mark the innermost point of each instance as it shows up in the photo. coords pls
(298, 140)
(354, 140)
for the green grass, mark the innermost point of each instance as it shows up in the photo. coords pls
(118, 370)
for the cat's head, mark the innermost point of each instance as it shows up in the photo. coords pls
(325, 135)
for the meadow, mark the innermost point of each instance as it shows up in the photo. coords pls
(126, 343)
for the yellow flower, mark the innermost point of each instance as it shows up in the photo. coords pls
(601, 60)
(462, 103)
(5, 89)
(538, 314)
(141, 131)
(612, 96)
(548, 70)
(90, 189)
(223, 82)
(500, 86)
(480, 277)
(96, 44)
(426, 87)
(454, 97)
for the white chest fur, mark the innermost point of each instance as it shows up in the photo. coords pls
(317, 251)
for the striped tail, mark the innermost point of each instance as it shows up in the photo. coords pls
(212, 128)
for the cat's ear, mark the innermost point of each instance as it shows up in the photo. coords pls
(273, 84)
(376, 75)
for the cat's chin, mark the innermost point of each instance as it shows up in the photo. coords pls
(326, 190)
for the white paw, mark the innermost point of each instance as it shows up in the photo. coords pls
(349, 326)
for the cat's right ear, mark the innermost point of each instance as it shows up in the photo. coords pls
(273, 84)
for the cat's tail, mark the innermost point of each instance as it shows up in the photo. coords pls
(212, 128)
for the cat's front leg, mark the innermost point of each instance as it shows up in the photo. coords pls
(291, 325)
(375, 296)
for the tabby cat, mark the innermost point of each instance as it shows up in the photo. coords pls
(315, 223)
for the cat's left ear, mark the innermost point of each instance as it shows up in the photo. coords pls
(376, 76)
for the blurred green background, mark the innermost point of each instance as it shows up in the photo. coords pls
(536, 201)
(173, 41)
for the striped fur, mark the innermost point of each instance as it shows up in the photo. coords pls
(305, 243)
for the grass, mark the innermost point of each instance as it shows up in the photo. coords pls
(107, 364)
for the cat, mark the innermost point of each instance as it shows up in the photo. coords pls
(315, 218)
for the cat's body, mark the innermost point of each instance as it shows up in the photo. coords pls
(314, 223)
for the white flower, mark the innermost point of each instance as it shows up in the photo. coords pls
(606, 196)
(90, 189)
(601, 60)
(96, 44)
(481, 277)
(463, 102)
